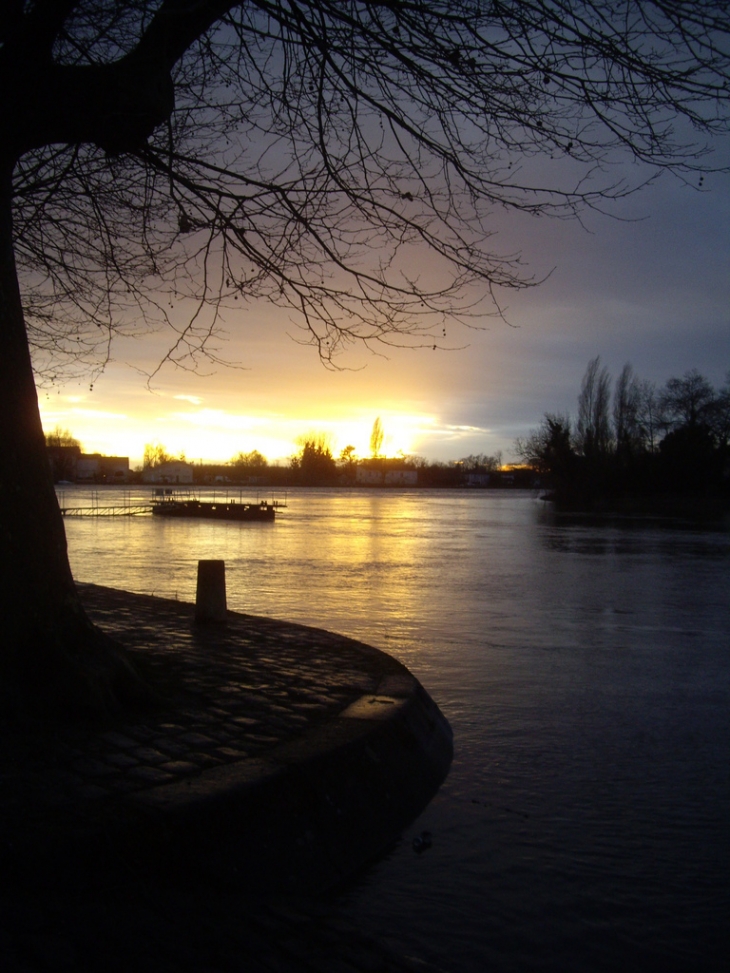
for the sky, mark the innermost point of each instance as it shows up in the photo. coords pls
(650, 285)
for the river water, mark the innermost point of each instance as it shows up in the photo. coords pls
(585, 670)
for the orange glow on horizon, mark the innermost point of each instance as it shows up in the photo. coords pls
(217, 435)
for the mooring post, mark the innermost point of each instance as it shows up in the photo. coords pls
(210, 598)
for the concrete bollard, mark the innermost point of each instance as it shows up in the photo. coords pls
(210, 598)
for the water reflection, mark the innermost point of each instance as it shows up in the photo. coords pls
(586, 672)
(604, 540)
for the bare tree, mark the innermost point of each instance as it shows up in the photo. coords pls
(309, 153)
(593, 428)
(162, 161)
(626, 397)
(59, 436)
(481, 463)
(376, 438)
(648, 414)
(155, 454)
(686, 401)
(720, 415)
(252, 462)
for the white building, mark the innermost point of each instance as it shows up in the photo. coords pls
(88, 467)
(401, 478)
(368, 477)
(95, 468)
(476, 479)
(173, 472)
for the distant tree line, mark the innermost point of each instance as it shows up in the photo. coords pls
(315, 464)
(156, 455)
(59, 437)
(634, 439)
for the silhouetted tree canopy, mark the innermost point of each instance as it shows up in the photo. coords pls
(251, 461)
(59, 436)
(155, 454)
(687, 401)
(169, 153)
(673, 440)
(314, 465)
(549, 448)
(481, 463)
(593, 425)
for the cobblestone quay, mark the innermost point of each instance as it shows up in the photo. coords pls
(204, 834)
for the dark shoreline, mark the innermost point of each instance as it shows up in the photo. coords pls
(670, 509)
(285, 760)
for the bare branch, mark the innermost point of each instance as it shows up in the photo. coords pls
(348, 162)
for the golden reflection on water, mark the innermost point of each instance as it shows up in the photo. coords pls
(330, 556)
(584, 671)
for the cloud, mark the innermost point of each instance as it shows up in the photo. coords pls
(651, 288)
(192, 399)
(217, 419)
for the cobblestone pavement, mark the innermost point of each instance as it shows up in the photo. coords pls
(234, 693)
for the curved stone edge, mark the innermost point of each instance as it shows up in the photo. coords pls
(317, 809)
(304, 817)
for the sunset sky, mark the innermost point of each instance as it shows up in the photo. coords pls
(654, 291)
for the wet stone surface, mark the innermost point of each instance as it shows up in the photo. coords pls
(232, 692)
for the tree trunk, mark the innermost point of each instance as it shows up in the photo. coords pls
(52, 659)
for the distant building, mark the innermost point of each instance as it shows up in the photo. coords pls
(476, 479)
(88, 468)
(95, 468)
(368, 477)
(401, 478)
(114, 469)
(174, 472)
(372, 476)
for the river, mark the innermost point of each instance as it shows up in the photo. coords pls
(585, 670)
